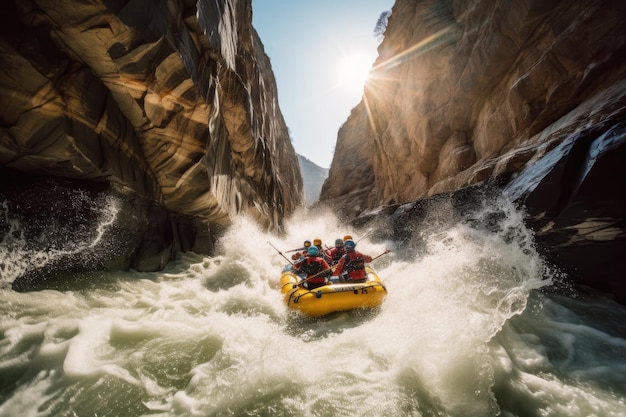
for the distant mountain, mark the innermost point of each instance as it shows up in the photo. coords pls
(313, 177)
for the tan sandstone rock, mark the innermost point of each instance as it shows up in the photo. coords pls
(465, 91)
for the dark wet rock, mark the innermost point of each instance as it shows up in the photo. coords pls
(168, 107)
(575, 200)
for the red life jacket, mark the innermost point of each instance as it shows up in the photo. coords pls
(354, 264)
(313, 265)
(299, 255)
(336, 253)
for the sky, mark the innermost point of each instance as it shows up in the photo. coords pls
(321, 52)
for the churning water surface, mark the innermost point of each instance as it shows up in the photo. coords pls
(469, 328)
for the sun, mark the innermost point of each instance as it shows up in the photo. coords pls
(352, 71)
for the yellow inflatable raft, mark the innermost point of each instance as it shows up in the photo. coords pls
(333, 297)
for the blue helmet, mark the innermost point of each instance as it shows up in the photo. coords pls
(313, 251)
(350, 244)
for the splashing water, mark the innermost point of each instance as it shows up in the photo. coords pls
(17, 256)
(466, 330)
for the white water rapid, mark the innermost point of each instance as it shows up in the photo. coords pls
(468, 328)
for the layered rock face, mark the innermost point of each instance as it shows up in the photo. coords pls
(463, 91)
(313, 178)
(468, 92)
(170, 105)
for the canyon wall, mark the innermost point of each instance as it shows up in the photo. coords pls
(168, 105)
(528, 94)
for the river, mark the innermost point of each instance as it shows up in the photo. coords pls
(471, 326)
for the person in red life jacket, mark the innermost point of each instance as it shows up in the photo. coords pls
(337, 252)
(315, 268)
(302, 254)
(352, 263)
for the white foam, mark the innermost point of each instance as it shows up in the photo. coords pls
(211, 336)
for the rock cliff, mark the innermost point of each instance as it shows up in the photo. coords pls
(169, 105)
(313, 177)
(529, 93)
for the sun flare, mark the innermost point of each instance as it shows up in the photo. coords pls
(352, 71)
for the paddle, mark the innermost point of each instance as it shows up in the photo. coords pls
(299, 284)
(364, 236)
(295, 250)
(281, 254)
(384, 253)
